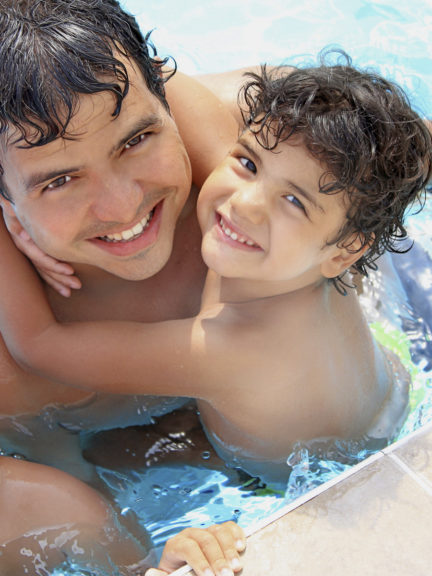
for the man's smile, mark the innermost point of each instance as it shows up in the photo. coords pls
(130, 233)
(132, 240)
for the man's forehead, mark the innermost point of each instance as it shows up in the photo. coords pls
(86, 108)
(92, 126)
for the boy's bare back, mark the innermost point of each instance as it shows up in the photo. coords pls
(310, 369)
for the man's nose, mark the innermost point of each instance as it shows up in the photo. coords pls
(116, 199)
(249, 202)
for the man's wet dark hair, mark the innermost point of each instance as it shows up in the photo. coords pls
(376, 149)
(53, 51)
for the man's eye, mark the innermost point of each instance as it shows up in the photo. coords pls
(295, 201)
(248, 164)
(134, 141)
(59, 182)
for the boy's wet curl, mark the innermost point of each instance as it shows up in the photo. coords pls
(53, 51)
(375, 147)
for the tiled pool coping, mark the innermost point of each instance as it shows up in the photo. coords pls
(372, 519)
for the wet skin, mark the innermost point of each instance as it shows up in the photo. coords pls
(115, 201)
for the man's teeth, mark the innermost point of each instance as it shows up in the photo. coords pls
(234, 236)
(131, 233)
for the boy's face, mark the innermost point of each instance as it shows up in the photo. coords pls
(263, 217)
(110, 197)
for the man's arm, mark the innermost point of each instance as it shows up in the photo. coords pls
(207, 127)
(226, 86)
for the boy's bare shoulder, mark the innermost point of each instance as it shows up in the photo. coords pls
(310, 365)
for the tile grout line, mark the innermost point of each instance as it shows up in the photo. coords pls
(411, 436)
(310, 495)
(418, 478)
(388, 451)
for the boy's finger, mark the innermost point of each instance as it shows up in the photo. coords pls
(232, 531)
(199, 549)
(231, 540)
(60, 278)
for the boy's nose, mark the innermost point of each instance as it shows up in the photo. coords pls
(249, 203)
(116, 199)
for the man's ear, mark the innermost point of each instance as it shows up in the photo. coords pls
(344, 256)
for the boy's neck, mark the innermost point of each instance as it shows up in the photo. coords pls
(219, 289)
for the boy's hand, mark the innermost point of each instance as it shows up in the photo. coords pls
(58, 275)
(213, 551)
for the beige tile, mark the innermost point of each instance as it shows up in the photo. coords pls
(416, 453)
(375, 522)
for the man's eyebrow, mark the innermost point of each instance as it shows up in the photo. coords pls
(38, 178)
(34, 180)
(151, 121)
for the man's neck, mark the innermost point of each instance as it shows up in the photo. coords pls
(174, 292)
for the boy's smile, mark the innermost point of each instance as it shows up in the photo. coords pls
(264, 219)
(231, 233)
(111, 195)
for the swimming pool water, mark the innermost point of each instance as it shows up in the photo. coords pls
(211, 36)
(214, 35)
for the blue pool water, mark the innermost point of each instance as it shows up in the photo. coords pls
(395, 37)
(215, 35)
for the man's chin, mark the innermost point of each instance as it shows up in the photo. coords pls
(141, 267)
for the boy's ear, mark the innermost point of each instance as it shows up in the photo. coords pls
(343, 257)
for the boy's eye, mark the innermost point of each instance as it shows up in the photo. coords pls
(248, 164)
(58, 182)
(134, 141)
(295, 201)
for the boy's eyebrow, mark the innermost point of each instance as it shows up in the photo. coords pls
(310, 197)
(243, 142)
(142, 124)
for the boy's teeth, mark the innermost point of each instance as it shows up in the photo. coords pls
(132, 232)
(234, 236)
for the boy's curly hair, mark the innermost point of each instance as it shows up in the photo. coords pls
(376, 149)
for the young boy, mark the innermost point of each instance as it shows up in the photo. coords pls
(318, 183)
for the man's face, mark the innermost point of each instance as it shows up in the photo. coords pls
(111, 196)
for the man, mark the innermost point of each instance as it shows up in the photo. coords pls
(94, 170)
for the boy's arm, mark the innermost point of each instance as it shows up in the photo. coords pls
(24, 310)
(163, 358)
(58, 275)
